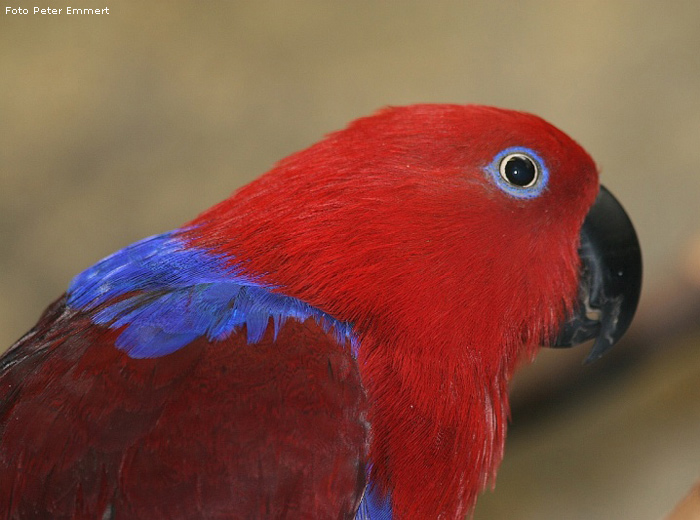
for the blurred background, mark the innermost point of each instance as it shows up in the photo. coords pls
(115, 127)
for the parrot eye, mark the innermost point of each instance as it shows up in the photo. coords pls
(520, 172)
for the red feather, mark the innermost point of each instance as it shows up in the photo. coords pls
(222, 430)
(392, 225)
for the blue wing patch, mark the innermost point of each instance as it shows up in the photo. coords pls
(374, 506)
(167, 294)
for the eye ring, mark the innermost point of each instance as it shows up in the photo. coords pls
(519, 170)
(530, 179)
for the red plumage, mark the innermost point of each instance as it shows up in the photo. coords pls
(91, 432)
(392, 225)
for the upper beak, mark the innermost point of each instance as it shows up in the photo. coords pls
(610, 280)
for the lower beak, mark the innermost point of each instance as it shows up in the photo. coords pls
(610, 280)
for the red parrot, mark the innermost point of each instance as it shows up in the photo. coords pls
(333, 341)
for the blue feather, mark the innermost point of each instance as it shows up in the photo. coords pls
(167, 294)
(374, 506)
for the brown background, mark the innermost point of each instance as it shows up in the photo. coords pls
(115, 127)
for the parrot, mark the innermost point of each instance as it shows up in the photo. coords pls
(333, 341)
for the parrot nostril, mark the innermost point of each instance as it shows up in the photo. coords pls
(519, 170)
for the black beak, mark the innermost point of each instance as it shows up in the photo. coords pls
(611, 278)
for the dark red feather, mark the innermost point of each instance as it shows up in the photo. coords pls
(392, 225)
(224, 430)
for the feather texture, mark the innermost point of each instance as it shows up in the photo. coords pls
(335, 339)
(214, 430)
(163, 295)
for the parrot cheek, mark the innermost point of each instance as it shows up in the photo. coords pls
(610, 279)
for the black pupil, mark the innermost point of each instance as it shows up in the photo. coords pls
(520, 171)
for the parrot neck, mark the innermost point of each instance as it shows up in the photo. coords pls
(424, 290)
(438, 424)
(437, 386)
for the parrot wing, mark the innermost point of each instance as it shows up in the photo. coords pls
(163, 386)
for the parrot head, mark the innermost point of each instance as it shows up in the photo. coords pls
(456, 240)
